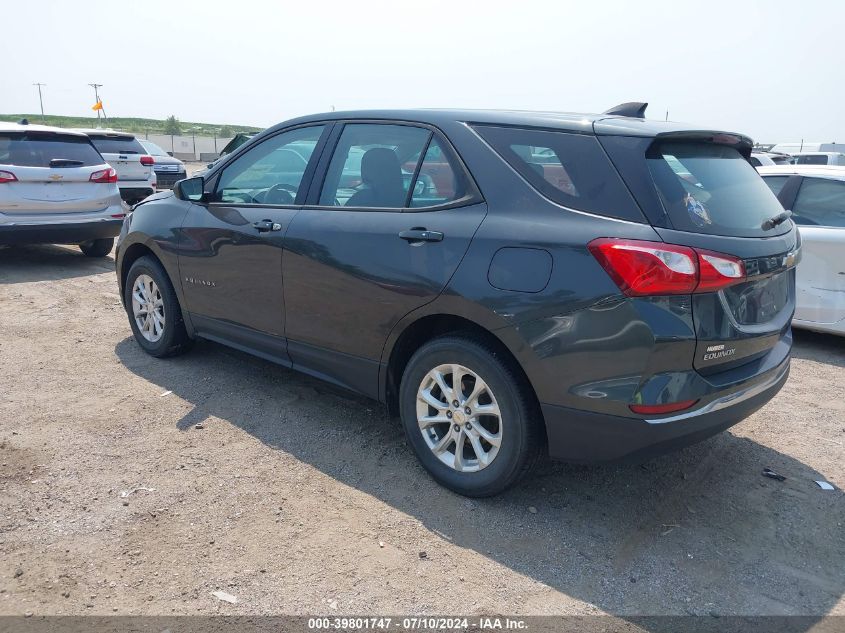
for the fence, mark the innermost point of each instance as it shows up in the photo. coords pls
(203, 148)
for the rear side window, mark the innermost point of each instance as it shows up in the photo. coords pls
(710, 188)
(570, 169)
(118, 145)
(820, 202)
(33, 149)
(775, 183)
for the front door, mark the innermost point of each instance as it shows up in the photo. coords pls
(383, 238)
(230, 258)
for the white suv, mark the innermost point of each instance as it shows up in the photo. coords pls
(136, 177)
(55, 188)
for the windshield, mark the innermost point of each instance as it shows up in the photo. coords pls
(153, 149)
(117, 145)
(709, 188)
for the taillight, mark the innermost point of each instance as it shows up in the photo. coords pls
(104, 175)
(643, 268)
(717, 271)
(147, 160)
(7, 176)
(658, 409)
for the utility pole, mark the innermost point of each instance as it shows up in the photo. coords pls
(40, 100)
(97, 97)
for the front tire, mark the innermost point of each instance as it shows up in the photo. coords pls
(469, 416)
(153, 308)
(97, 248)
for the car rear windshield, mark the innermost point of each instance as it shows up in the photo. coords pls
(118, 145)
(35, 149)
(569, 169)
(811, 159)
(710, 188)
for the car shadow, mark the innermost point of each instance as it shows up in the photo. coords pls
(40, 262)
(698, 532)
(819, 347)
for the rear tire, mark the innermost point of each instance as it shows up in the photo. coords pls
(97, 248)
(153, 309)
(497, 425)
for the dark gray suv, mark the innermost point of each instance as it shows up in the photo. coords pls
(592, 286)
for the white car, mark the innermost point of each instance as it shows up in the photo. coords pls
(819, 158)
(816, 196)
(55, 188)
(136, 177)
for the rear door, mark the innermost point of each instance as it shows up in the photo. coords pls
(819, 211)
(381, 237)
(124, 153)
(700, 191)
(51, 176)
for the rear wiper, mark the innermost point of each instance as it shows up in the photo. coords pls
(780, 218)
(65, 162)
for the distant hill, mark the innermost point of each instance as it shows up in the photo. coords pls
(131, 124)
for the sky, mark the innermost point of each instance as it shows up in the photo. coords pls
(768, 68)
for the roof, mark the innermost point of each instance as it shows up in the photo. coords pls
(570, 121)
(17, 127)
(836, 172)
(101, 132)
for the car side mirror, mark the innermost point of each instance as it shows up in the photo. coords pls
(192, 189)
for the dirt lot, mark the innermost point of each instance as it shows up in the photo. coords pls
(296, 498)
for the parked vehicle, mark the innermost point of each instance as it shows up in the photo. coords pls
(168, 170)
(816, 197)
(136, 178)
(795, 148)
(598, 286)
(238, 140)
(55, 188)
(819, 158)
(759, 159)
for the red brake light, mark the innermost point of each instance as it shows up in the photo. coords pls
(104, 175)
(643, 268)
(718, 271)
(658, 409)
(147, 160)
(7, 176)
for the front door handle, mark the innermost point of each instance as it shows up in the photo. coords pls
(419, 234)
(264, 226)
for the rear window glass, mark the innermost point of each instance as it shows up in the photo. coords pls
(811, 159)
(709, 188)
(570, 169)
(775, 183)
(118, 145)
(32, 149)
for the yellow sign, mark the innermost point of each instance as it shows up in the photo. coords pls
(97, 106)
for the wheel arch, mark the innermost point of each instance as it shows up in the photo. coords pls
(430, 326)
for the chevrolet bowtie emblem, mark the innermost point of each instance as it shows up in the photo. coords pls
(56, 176)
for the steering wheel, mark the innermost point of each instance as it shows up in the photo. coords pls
(285, 193)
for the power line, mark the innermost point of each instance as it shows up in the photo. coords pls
(40, 100)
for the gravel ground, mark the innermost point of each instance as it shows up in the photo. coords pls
(131, 485)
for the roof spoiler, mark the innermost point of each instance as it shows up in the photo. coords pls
(633, 109)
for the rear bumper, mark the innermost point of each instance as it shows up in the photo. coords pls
(69, 233)
(586, 437)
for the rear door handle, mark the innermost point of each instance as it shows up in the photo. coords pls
(419, 234)
(264, 226)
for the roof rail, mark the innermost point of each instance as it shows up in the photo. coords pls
(633, 109)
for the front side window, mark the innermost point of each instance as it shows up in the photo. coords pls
(820, 202)
(272, 171)
(711, 188)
